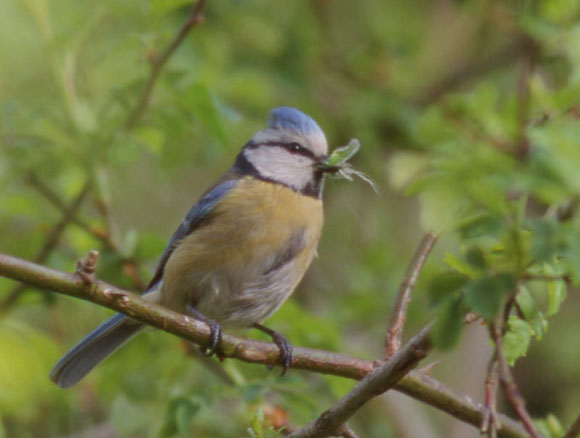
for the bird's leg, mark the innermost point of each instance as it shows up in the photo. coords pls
(215, 331)
(283, 344)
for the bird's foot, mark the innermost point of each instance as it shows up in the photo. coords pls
(284, 345)
(215, 336)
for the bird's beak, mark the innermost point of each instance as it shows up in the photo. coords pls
(324, 167)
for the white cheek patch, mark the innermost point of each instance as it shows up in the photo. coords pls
(277, 164)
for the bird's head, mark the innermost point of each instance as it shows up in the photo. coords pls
(291, 151)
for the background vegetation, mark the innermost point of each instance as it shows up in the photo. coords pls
(467, 112)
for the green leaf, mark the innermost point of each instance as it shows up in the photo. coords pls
(461, 266)
(484, 224)
(448, 326)
(557, 290)
(527, 302)
(445, 284)
(476, 258)
(556, 295)
(546, 242)
(485, 294)
(517, 339)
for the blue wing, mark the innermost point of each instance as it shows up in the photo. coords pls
(194, 218)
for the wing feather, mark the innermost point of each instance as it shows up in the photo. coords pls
(193, 220)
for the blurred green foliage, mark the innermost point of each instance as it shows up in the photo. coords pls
(467, 112)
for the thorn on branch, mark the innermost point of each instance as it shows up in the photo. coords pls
(345, 431)
(427, 369)
(117, 294)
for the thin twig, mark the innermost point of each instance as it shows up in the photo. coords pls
(50, 243)
(57, 202)
(194, 18)
(397, 317)
(574, 430)
(419, 386)
(375, 383)
(508, 383)
(130, 266)
(489, 423)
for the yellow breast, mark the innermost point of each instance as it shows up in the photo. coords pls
(244, 234)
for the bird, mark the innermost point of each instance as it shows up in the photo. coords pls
(240, 251)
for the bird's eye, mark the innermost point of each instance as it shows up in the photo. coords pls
(296, 147)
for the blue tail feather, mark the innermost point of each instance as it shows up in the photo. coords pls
(93, 349)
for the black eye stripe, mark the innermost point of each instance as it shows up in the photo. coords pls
(298, 149)
(292, 147)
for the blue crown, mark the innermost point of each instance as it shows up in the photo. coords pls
(285, 117)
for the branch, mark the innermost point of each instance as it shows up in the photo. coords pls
(52, 239)
(130, 266)
(508, 383)
(489, 423)
(396, 321)
(194, 18)
(416, 385)
(375, 383)
(54, 199)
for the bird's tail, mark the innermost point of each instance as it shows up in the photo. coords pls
(93, 349)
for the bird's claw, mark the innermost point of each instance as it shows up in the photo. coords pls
(286, 350)
(214, 339)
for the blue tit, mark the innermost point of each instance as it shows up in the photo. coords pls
(241, 250)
